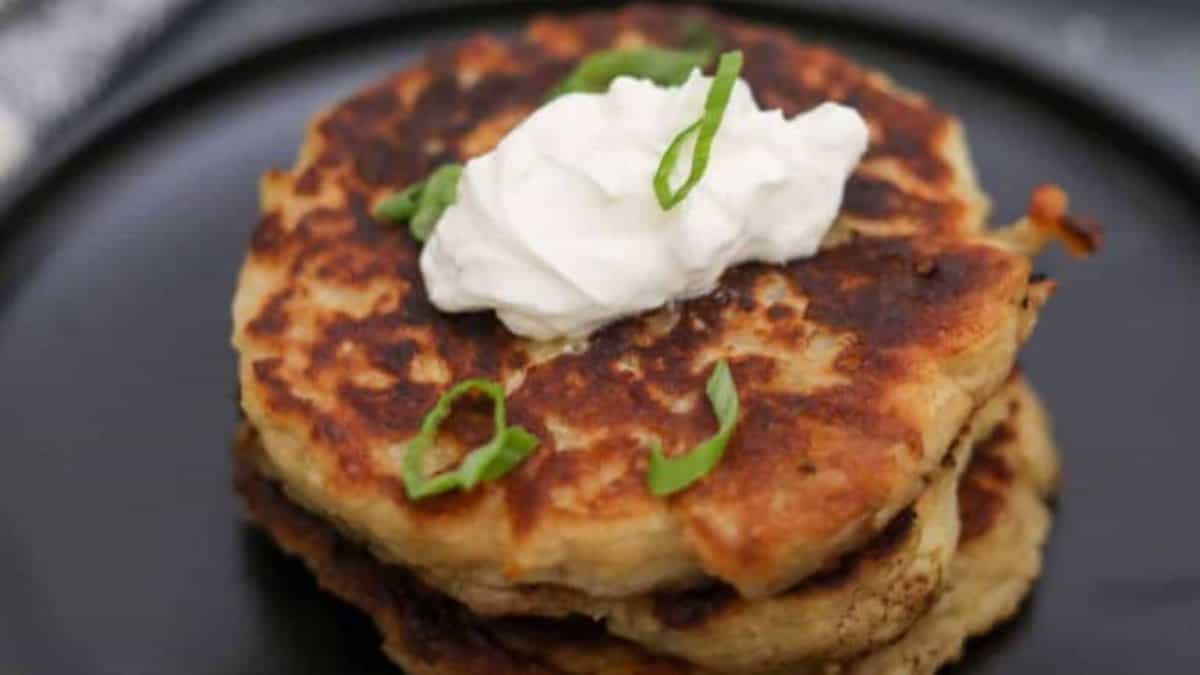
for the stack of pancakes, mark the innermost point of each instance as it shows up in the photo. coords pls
(882, 497)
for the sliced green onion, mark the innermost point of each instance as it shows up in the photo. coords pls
(422, 203)
(401, 206)
(671, 474)
(440, 192)
(705, 128)
(508, 447)
(664, 67)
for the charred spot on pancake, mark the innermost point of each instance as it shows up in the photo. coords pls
(366, 227)
(780, 313)
(899, 304)
(375, 105)
(877, 198)
(433, 624)
(982, 490)
(884, 544)
(925, 267)
(277, 388)
(309, 182)
(393, 407)
(269, 235)
(273, 318)
(683, 610)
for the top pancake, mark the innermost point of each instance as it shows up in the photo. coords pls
(855, 368)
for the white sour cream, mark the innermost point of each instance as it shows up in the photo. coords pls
(558, 229)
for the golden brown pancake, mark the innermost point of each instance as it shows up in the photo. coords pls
(867, 599)
(856, 368)
(1000, 504)
(1005, 520)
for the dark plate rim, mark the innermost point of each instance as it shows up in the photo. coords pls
(972, 49)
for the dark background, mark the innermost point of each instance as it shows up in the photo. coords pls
(121, 548)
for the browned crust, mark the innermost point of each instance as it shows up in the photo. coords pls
(982, 491)
(694, 607)
(423, 631)
(899, 307)
(429, 633)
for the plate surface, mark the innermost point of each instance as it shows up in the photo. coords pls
(121, 546)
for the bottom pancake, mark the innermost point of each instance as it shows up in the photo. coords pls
(1004, 522)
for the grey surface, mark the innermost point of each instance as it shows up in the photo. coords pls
(56, 55)
(121, 549)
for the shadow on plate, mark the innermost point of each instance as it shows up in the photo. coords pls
(304, 630)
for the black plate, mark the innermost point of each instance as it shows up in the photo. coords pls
(121, 547)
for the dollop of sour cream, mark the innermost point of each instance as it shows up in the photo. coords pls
(558, 229)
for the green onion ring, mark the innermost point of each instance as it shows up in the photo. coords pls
(706, 127)
(508, 447)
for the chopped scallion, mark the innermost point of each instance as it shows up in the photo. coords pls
(422, 203)
(705, 130)
(508, 447)
(668, 475)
